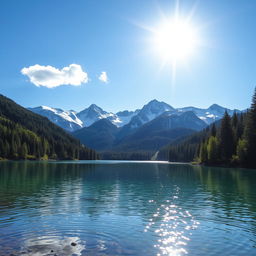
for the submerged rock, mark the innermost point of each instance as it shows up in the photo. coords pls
(54, 246)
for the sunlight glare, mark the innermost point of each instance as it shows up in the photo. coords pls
(175, 40)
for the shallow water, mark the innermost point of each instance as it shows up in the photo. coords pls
(126, 208)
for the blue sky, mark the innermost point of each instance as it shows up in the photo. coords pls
(108, 36)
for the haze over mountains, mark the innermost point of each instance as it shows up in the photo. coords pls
(147, 129)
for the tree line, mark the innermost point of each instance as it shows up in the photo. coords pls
(230, 142)
(135, 155)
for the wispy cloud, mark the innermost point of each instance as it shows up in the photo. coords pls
(103, 77)
(51, 77)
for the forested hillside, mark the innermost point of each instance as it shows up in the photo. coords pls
(26, 135)
(184, 149)
(230, 142)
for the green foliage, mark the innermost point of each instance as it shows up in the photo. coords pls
(250, 134)
(213, 130)
(25, 135)
(212, 150)
(226, 137)
(23, 150)
(184, 149)
(241, 151)
(203, 153)
(232, 141)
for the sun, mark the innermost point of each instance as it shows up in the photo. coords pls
(175, 40)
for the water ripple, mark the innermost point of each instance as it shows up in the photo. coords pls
(126, 209)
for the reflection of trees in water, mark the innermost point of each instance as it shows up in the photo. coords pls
(89, 188)
(229, 185)
(95, 189)
(231, 188)
(130, 189)
(38, 181)
(233, 195)
(31, 176)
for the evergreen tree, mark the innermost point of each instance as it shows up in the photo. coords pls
(203, 153)
(213, 130)
(77, 154)
(234, 120)
(23, 151)
(7, 150)
(227, 146)
(237, 127)
(2, 149)
(212, 150)
(250, 134)
(240, 126)
(45, 147)
(241, 152)
(231, 143)
(26, 134)
(14, 148)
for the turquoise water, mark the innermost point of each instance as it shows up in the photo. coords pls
(126, 208)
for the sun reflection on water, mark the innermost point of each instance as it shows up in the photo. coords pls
(172, 226)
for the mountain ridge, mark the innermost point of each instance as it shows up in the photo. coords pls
(103, 135)
(71, 120)
(24, 134)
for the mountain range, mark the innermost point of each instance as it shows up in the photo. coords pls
(153, 126)
(72, 120)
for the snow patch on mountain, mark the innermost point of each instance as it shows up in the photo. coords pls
(126, 116)
(94, 113)
(211, 114)
(149, 112)
(72, 120)
(65, 119)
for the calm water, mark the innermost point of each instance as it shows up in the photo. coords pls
(120, 208)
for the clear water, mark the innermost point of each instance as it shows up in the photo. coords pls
(126, 208)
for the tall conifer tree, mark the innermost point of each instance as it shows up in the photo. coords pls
(227, 147)
(250, 134)
(213, 130)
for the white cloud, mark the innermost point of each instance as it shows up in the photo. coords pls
(103, 77)
(51, 77)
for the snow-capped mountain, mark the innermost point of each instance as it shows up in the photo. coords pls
(189, 120)
(211, 114)
(149, 112)
(126, 116)
(94, 113)
(71, 120)
(103, 135)
(152, 110)
(68, 120)
(128, 120)
(149, 128)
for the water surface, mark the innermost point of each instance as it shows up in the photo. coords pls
(126, 208)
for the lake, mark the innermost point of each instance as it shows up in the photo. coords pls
(126, 208)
